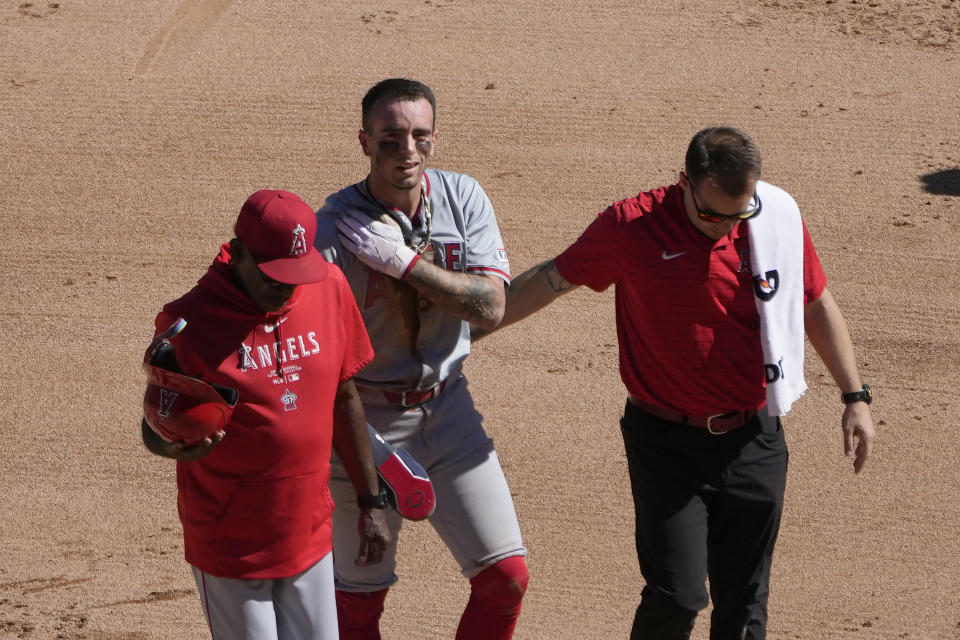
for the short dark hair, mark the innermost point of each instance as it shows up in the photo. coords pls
(397, 89)
(725, 155)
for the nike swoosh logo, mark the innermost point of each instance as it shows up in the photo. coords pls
(268, 328)
(671, 256)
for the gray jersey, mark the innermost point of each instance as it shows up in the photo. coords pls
(417, 345)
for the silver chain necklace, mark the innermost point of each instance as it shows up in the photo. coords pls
(427, 216)
(424, 206)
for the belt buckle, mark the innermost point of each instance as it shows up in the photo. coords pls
(710, 429)
(403, 399)
(419, 397)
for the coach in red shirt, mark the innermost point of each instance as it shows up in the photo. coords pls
(274, 321)
(717, 281)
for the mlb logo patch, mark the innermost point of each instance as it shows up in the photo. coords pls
(502, 255)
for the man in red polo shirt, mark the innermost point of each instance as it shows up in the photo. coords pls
(717, 281)
(272, 320)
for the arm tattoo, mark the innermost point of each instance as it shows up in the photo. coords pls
(466, 296)
(557, 282)
(472, 296)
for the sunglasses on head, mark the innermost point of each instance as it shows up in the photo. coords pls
(712, 216)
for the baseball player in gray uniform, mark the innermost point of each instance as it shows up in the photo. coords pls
(422, 253)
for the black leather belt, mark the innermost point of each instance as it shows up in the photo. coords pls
(716, 424)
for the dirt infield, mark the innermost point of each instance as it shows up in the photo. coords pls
(133, 131)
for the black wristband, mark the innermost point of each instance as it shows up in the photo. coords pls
(378, 501)
(864, 395)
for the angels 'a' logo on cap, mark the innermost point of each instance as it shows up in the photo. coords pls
(166, 402)
(299, 247)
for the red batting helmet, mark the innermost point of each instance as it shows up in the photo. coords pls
(177, 407)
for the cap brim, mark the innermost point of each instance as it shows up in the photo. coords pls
(296, 270)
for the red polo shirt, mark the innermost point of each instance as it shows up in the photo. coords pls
(258, 506)
(687, 323)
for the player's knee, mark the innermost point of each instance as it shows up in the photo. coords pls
(683, 601)
(674, 608)
(501, 586)
(663, 617)
(358, 614)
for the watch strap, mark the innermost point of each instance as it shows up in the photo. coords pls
(864, 395)
(377, 501)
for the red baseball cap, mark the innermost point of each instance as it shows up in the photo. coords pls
(184, 409)
(278, 228)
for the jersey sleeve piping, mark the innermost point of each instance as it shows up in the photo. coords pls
(490, 271)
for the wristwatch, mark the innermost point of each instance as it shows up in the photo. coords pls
(864, 395)
(378, 501)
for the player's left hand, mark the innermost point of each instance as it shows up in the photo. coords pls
(858, 433)
(379, 244)
(374, 536)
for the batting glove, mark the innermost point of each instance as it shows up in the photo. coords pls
(377, 244)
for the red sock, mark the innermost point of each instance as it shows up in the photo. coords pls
(496, 594)
(358, 614)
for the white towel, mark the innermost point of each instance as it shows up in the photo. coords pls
(776, 256)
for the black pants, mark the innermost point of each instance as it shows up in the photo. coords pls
(706, 506)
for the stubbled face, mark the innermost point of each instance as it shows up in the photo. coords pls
(400, 140)
(266, 293)
(711, 198)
